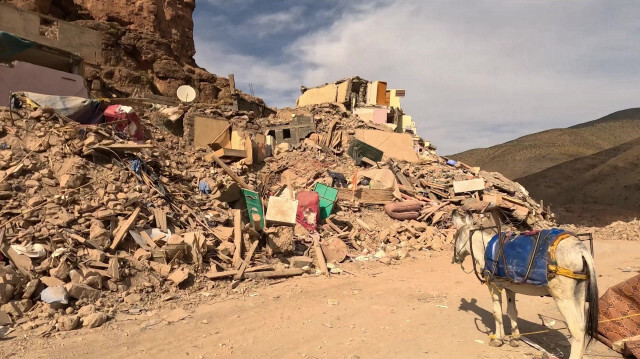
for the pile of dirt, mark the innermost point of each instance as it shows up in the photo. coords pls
(533, 153)
(619, 230)
(90, 219)
(593, 190)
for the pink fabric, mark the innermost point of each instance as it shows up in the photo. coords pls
(133, 127)
(308, 209)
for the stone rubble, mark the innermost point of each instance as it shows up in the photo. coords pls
(108, 223)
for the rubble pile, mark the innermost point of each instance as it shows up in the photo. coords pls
(85, 212)
(619, 230)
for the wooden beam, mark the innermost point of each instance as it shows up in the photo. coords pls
(230, 172)
(246, 261)
(237, 238)
(123, 228)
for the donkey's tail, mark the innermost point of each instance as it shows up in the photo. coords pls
(592, 297)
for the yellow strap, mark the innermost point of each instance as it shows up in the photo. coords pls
(566, 272)
(554, 246)
(559, 270)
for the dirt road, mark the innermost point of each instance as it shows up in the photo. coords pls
(422, 308)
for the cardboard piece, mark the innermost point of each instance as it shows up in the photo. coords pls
(398, 146)
(281, 210)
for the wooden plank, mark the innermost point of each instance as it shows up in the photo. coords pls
(80, 239)
(231, 273)
(126, 146)
(334, 226)
(246, 261)
(148, 239)
(229, 171)
(237, 238)
(232, 84)
(161, 218)
(123, 228)
(22, 262)
(367, 196)
(275, 274)
(322, 263)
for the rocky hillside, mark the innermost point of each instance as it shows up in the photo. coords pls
(594, 190)
(147, 45)
(536, 152)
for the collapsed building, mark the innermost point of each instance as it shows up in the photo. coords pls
(104, 201)
(370, 100)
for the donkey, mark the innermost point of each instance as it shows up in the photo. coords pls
(569, 293)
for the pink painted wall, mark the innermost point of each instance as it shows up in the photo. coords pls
(380, 115)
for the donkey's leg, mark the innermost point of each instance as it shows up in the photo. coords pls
(496, 296)
(571, 305)
(512, 312)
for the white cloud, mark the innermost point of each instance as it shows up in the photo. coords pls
(476, 73)
(273, 23)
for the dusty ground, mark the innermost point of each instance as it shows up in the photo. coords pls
(422, 308)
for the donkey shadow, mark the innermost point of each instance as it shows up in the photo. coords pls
(553, 341)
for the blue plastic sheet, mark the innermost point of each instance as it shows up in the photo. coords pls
(203, 187)
(517, 252)
(136, 166)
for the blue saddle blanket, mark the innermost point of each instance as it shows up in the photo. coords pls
(516, 251)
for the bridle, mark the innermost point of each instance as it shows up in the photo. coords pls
(456, 253)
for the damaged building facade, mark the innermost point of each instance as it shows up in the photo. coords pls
(370, 100)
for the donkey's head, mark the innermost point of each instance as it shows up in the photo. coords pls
(463, 223)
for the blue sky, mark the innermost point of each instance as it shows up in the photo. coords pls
(476, 73)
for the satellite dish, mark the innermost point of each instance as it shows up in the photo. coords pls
(186, 93)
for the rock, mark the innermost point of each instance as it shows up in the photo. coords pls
(82, 291)
(61, 271)
(6, 292)
(51, 281)
(300, 261)
(35, 201)
(86, 310)
(94, 320)
(17, 308)
(393, 254)
(69, 322)
(282, 147)
(226, 248)
(280, 239)
(179, 275)
(31, 184)
(382, 236)
(132, 298)
(334, 249)
(385, 260)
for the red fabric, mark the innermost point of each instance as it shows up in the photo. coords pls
(133, 127)
(308, 209)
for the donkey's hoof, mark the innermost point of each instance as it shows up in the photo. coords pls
(495, 343)
(514, 342)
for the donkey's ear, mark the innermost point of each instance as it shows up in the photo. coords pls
(468, 218)
(457, 219)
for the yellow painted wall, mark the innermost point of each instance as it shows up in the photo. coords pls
(394, 100)
(342, 95)
(318, 95)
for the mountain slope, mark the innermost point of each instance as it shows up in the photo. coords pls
(595, 190)
(536, 152)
